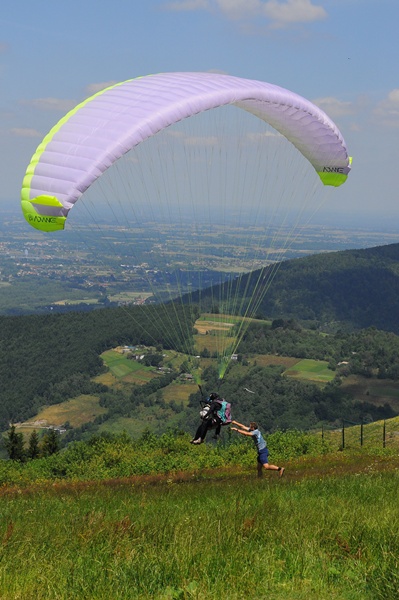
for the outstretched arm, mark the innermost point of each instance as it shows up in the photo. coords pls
(240, 425)
(242, 431)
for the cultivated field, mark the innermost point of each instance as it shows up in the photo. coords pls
(316, 371)
(76, 411)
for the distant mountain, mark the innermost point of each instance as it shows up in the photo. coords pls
(359, 288)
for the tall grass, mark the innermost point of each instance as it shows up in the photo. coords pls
(296, 538)
(105, 457)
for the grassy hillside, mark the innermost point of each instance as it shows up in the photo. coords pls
(327, 529)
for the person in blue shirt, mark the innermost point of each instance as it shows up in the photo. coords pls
(263, 453)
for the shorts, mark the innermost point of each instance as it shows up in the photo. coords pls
(263, 456)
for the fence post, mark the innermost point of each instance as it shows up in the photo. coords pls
(343, 434)
(322, 432)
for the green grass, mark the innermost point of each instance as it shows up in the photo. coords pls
(121, 366)
(310, 536)
(179, 392)
(373, 435)
(158, 518)
(312, 370)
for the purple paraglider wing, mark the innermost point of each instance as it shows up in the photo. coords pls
(104, 127)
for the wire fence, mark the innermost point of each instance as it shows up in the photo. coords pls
(379, 434)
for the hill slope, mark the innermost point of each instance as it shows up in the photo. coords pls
(359, 288)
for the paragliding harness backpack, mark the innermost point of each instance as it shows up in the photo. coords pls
(224, 412)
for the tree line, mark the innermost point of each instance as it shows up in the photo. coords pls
(36, 447)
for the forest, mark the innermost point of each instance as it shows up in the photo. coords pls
(46, 358)
(349, 289)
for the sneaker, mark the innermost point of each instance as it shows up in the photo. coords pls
(198, 441)
(281, 472)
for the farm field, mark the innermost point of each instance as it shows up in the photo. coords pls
(76, 411)
(126, 370)
(179, 392)
(316, 371)
(129, 297)
(215, 332)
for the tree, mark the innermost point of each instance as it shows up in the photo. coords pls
(50, 443)
(33, 448)
(276, 323)
(152, 360)
(15, 444)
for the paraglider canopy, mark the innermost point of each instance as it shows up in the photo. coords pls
(100, 130)
(234, 193)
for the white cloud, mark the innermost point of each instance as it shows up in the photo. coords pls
(25, 132)
(293, 11)
(240, 9)
(387, 111)
(56, 104)
(93, 88)
(334, 108)
(279, 13)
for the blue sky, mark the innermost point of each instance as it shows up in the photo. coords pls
(341, 54)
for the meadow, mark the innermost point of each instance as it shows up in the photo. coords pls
(157, 518)
(316, 371)
(311, 535)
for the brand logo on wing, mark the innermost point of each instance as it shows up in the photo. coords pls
(41, 219)
(333, 170)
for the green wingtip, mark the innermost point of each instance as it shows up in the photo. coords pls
(334, 176)
(39, 221)
(334, 179)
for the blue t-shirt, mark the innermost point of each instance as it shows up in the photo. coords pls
(258, 439)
